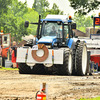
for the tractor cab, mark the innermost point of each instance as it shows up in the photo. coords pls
(55, 30)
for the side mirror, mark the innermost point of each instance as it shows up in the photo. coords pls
(73, 26)
(26, 24)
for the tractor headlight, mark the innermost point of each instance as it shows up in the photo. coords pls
(48, 46)
(55, 44)
(30, 64)
(48, 65)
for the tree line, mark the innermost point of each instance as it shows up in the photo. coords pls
(14, 13)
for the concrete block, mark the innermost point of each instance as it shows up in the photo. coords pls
(8, 64)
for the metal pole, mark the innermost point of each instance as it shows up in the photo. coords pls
(93, 26)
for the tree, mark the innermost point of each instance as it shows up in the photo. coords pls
(82, 22)
(13, 19)
(18, 8)
(40, 5)
(84, 6)
(4, 6)
(54, 10)
(31, 16)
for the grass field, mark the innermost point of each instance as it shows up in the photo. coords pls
(3, 68)
(97, 98)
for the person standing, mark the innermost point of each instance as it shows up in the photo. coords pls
(0, 50)
(14, 54)
(98, 31)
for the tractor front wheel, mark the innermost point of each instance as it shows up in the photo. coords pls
(24, 68)
(38, 69)
(66, 67)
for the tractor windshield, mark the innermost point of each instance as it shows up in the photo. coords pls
(51, 29)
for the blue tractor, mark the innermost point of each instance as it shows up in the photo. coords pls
(54, 49)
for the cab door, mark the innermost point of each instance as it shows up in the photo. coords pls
(6, 43)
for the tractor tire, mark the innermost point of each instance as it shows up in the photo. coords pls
(24, 68)
(81, 59)
(38, 69)
(89, 70)
(48, 70)
(73, 62)
(66, 67)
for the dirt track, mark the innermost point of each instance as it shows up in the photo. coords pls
(15, 86)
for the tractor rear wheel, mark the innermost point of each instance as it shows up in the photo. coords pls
(73, 62)
(24, 68)
(81, 59)
(66, 67)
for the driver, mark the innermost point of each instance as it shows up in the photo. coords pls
(53, 32)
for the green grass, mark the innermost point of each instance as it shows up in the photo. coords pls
(97, 98)
(3, 68)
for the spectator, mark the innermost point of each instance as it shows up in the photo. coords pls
(0, 50)
(98, 32)
(14, 53)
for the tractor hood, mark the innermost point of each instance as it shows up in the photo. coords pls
(48, 39)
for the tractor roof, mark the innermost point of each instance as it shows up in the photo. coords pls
(62, 18)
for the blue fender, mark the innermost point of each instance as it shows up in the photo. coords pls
(71, 42)
(37, 41)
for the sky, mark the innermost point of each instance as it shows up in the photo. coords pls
(63, 5)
